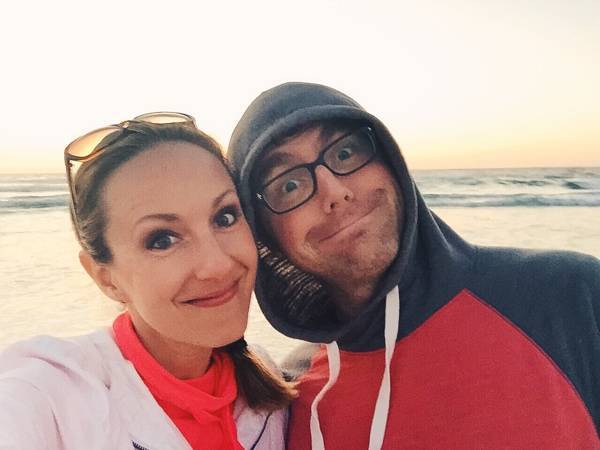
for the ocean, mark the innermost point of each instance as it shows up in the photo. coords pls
(47, 292)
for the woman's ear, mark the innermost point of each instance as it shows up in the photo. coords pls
(102, 276)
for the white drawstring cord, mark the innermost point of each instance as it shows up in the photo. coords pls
(333, 358)
(378, 425)
(382, 406)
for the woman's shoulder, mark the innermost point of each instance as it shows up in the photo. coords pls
(44, 360)
(46, 383)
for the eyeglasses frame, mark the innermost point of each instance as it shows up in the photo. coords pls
(312, 166)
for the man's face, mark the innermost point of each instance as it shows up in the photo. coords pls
(349, 231)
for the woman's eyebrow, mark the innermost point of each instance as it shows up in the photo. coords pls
(170, 217)
(167, 217)
(219, 198)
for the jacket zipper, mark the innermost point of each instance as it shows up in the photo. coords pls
(262, 431)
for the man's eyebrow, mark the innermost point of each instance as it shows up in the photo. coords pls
(272, 161)
(327, 133)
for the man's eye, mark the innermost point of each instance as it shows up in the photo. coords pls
(344, 153)
(161, 240)
(290, 186)
(227, 217)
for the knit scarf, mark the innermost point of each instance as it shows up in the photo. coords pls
(201, 408)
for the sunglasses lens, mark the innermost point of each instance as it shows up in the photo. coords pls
(164, 117)
(89, 144)
(86, 144)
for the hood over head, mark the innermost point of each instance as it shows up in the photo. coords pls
(295, 302)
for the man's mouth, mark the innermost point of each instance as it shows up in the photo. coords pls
(215, 298)
(346, 226)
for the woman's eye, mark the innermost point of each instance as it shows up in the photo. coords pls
(227, 217)
(344, 153)
(161, 240)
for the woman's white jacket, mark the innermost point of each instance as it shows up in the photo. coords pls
(80, 393)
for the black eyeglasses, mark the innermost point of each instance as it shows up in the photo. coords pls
(297, 185)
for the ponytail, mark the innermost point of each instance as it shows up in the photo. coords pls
(261, 386)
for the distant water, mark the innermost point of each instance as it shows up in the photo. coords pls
(46, 291)
(23, 192)
(511, 187)
(547, 187)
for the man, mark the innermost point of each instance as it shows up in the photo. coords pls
(431, 342)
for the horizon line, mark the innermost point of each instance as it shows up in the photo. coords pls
(410, 169)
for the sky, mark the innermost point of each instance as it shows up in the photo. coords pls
(461, 84)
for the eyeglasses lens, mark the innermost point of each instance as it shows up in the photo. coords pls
(350, 154)
(290, 189)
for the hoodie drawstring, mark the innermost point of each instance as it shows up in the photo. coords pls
(382, 406)
(333, 358)
(378, 425)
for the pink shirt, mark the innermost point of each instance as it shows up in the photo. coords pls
(201, 408)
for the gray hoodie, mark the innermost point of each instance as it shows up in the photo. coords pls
(552, 298)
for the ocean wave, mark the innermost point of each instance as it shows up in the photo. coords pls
(34, 202)
(510, 181)
(520, 182)
(575, 186)
(464, 188)
(567, 183)
(26, 179)
(517, 200)
(14, 204)
(32, 187)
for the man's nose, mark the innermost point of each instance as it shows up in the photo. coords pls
(332, 191)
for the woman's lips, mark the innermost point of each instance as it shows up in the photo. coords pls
(215, 298)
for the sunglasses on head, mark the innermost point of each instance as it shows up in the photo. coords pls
(90, 145)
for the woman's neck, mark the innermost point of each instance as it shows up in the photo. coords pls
(182, 360)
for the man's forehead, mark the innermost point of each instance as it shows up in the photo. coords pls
(292, 143)
(290, 149)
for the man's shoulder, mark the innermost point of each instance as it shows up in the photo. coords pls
(531, 254)
(551, 265)
(541, 291)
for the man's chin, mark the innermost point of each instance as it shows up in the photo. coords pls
(363, 260)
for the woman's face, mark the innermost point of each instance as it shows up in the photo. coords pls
(184, 260)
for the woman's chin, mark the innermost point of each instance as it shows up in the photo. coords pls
(223, 338)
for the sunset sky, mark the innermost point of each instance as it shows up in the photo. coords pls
(461, 84)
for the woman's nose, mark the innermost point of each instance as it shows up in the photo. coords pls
(210, 260)
(332, 191)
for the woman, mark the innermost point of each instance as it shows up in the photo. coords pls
(162, 232)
